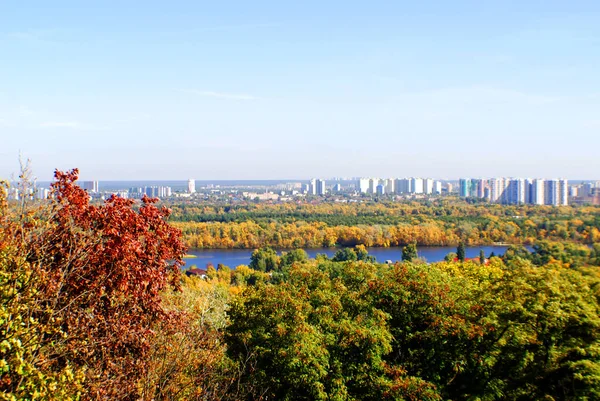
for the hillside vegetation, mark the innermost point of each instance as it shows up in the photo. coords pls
(94, 306)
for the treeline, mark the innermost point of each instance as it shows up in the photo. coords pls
(251, 234)
(439, 223)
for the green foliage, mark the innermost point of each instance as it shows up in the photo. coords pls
(461, 252)
(264, 260)
(345, 255)
(291, 257)
(409, 252)
(450, 257)
(312, 337)
(29, 331)
(357, 330)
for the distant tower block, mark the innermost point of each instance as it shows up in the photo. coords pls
(191, 186)
(90, 186)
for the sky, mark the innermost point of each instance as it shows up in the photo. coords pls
(128, 90)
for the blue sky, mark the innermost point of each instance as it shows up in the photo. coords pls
(276, 89)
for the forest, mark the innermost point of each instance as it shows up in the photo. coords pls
(373, 224)
(95, 305)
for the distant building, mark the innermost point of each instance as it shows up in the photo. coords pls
(464, 185)
(337, 188)
(437, 187)
(320, 187)
(515, 192)
(158, 192)
(191, 186)
(312, 188)
(363, 185)
(380, 189)
(90, 186)
(403, 186)
(417, 185)
(390, 186)
(373, 182)
(42, 193)
(428, 186)
(563, 192)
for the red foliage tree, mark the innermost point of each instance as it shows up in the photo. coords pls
(105, 267)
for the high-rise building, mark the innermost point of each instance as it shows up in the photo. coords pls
(552, 192)
(464, 187)
(312, 188)
(428, 186)
(390, 186)
(158, 192)
(363, 185)
(417, 185)
(320, 187)
(403, 186)
(90, 186)
(437, 187)
(373, 182)
(586, 189)
(537, 192)
(478, 188)
(498, 193)
(563, 192)
(191, 186)
(380, 189)
(515, 191)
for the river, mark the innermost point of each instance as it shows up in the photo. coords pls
(236, 257)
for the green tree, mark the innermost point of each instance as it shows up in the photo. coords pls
(450, 257)
(264, 260)
(409, 252)
(363, 254)
(461, 252)
(344, 255)
(291, 257)
(311, 337)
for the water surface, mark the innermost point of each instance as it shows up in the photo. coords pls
(236, 257)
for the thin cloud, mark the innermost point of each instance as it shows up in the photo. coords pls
(221, 95)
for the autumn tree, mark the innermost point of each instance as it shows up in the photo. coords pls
(104, 268)
(28, 329)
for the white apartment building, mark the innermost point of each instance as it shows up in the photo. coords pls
(417, 185)
(428, 186)
(191, 186)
